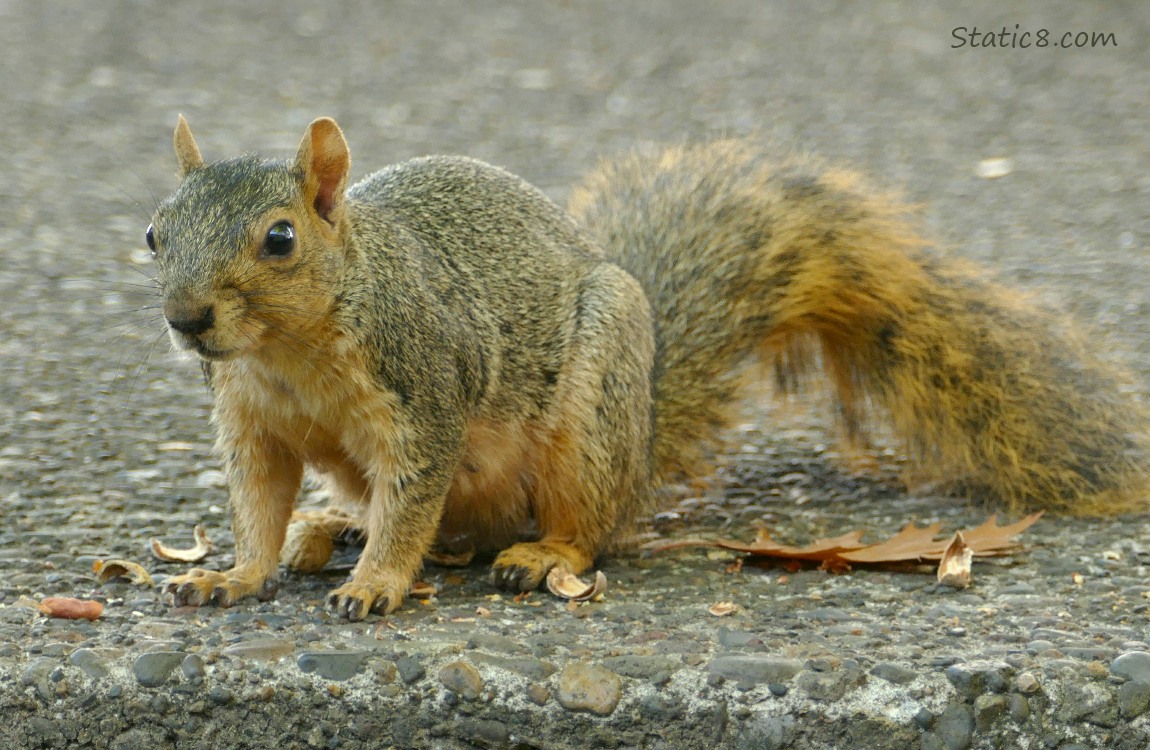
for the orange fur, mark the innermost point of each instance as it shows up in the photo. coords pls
(487, 504)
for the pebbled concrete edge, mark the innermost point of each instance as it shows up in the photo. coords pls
(50, 702)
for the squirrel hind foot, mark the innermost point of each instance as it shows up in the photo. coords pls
(524, 566)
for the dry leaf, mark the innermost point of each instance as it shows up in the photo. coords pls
(106, 570)
(908, 545)
(722, 609)
(451, 559)
(564, 584)
(193, 555)
(71, 609)
(911, 543)
(423, 590)
(990, 539)
(819, 550)
(954, 568)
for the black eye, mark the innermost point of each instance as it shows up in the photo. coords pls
(150, 236)
(280, 240)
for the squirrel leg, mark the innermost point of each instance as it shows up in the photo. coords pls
(592, 468)
(401, 523)
(407, 493)
(311, 533)
(264, 479)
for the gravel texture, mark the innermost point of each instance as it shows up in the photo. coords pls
(105, 442)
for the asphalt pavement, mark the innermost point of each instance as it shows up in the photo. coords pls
(1029, 156)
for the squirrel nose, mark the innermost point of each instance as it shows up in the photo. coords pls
(190, 321)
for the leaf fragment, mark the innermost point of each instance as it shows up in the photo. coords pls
(106, 570)
(566, 585)
(451, 559)
(722, 609)
(911, 544)
(69, 608)
(192, 555)
(422, 590)
(954, 567)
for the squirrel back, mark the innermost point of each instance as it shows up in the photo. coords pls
(801, 265)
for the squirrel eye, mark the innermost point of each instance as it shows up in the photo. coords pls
(280, 240)
(150, 236)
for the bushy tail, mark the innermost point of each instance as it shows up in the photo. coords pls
(802, 264)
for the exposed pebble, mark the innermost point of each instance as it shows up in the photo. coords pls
(89, 663)
(1027, 683)
(485, 732)
(264, 649)
(1133, 665)
(586, 687)
(538, 694)
(384, 670)
(895, 673)
(463, 679)
(830, 685)
(535, 669)
(1087, 702)
(1019, 708)
(989, 709)
(410, 669)
(193, 667)
(974, 678)
(1133, 699)
(153, 669)
(955, 727)
(641, 667)
(332, 665)
(495, 642)
(754, 669)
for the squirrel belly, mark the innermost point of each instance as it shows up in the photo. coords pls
(460, 357)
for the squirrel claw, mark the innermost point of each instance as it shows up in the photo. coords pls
(350, 607)
(514, 578)
(197, 588)
(186, 594)
(268, 590)
(355, 601)
(221, 597)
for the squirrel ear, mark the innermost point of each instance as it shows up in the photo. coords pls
(324, 161)
(187, 152)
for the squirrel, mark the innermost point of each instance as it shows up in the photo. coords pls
(456, 355)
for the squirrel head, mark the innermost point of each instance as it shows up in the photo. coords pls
(247, 250)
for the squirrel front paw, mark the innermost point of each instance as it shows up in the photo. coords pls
(198, 587)
(355, 599)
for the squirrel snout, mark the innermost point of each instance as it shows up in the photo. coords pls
(190, 319)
